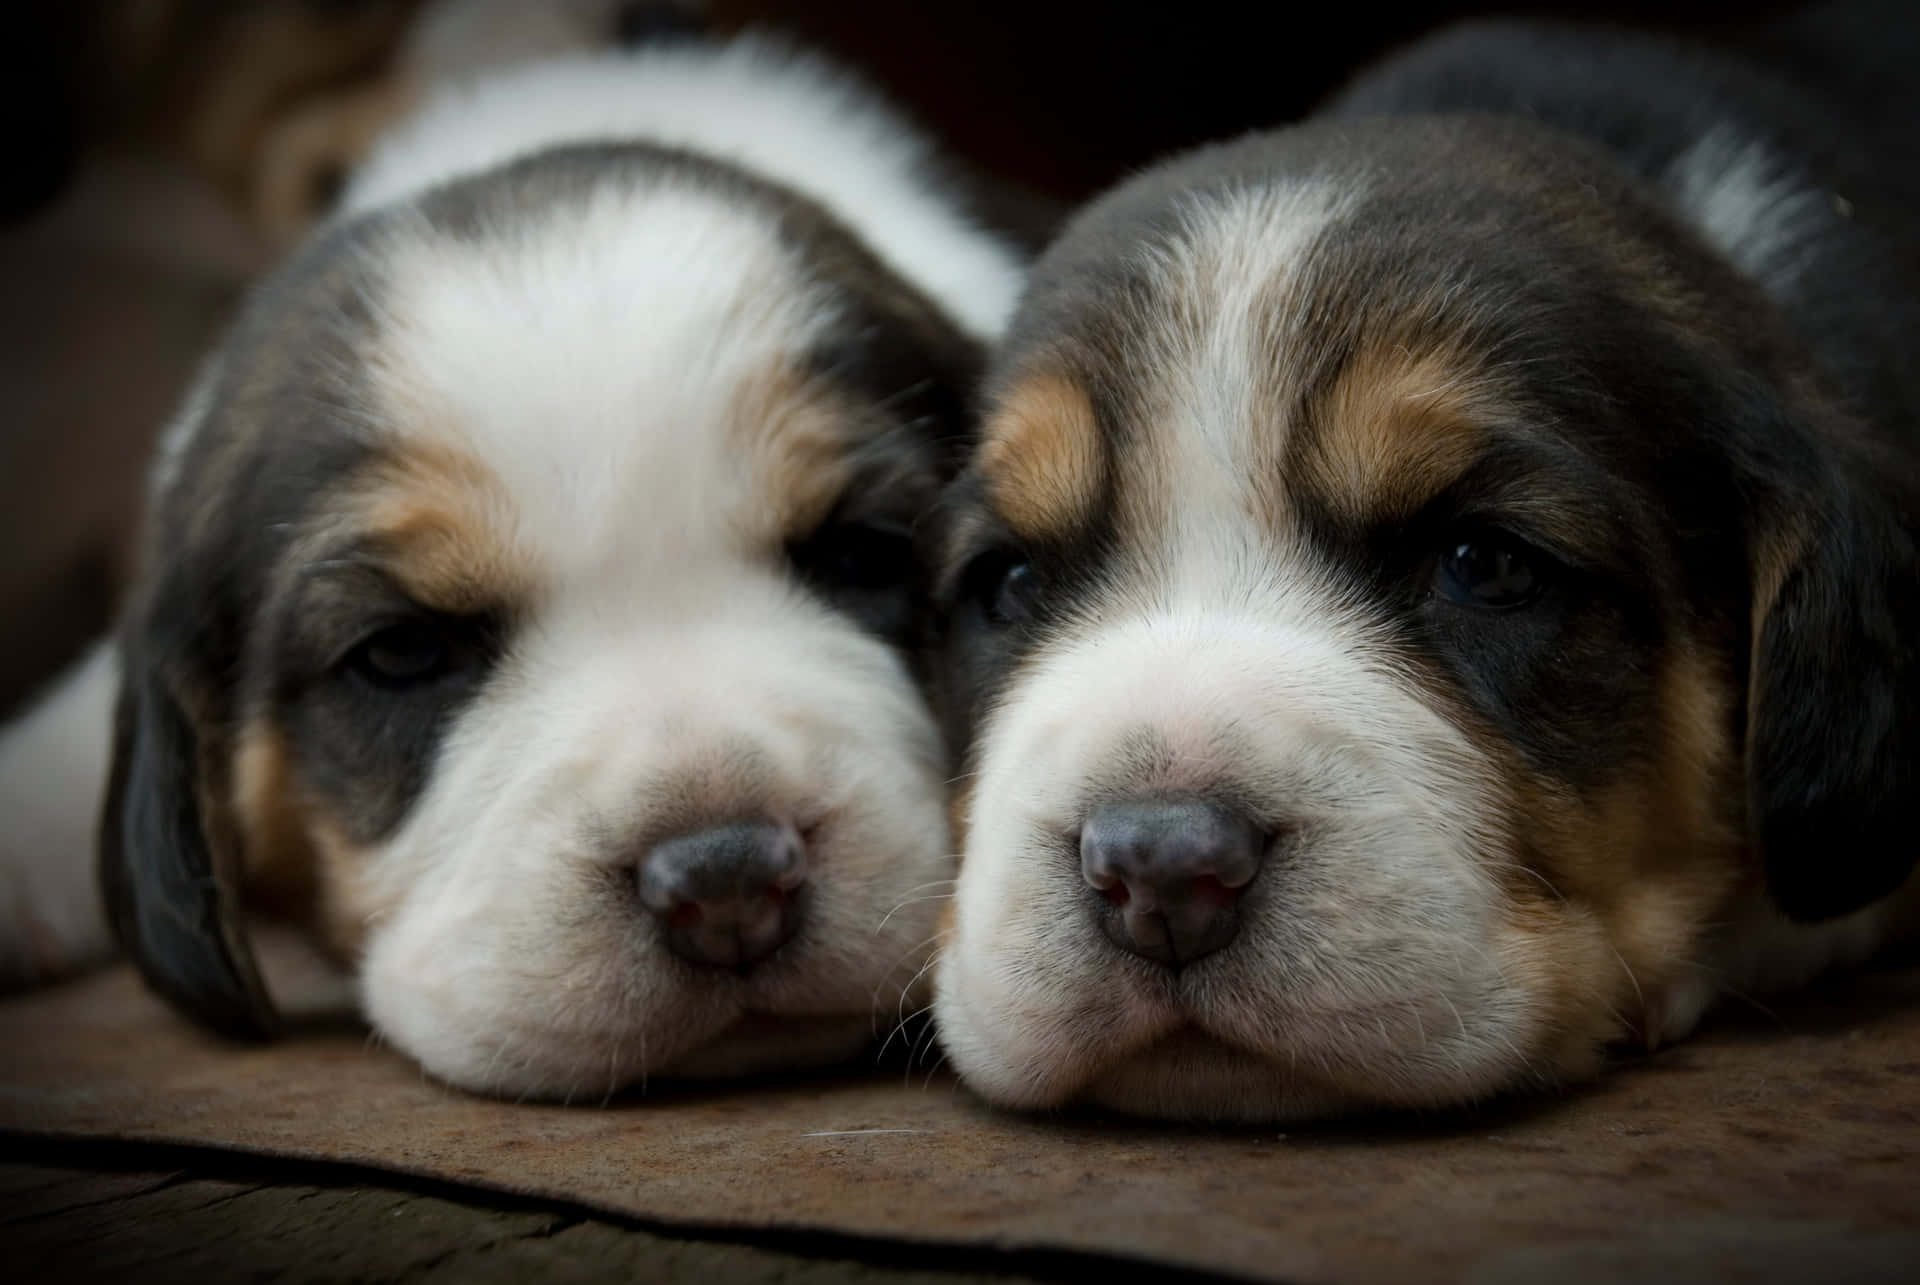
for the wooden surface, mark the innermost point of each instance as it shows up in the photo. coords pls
(71, 1214)
(1776, 1146)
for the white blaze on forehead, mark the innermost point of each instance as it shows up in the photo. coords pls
(778, 114)
(1211, 363)
(602, 361)
(1233, 659)
(594, 363)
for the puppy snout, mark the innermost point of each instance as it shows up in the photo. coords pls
(1169, 873)
(727, 895)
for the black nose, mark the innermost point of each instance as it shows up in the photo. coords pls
(726, 894)
(1170, 873)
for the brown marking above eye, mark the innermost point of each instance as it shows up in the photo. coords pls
(440, 520)
(797, 430)
(1394, 428)
(1042, 457)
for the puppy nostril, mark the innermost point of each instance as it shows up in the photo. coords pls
(728, 895)
(1212, 888)
(790, 867)
(1170, 874)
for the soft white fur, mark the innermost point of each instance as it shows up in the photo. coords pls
(1371, 966)
(754, 102)
(53, 772)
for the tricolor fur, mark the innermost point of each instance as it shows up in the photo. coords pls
(1467, 541)
(557, 501)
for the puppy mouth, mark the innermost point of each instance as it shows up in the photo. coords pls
(1185, 1058)
(1191, 1074)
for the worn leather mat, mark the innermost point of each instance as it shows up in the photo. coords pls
(1781, 1146)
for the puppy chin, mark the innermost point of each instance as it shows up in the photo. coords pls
(1189, 1075)
(509, 1053)
(1146, 1059)
(1161, 1068)
(525, 1060)
(1197, 1076)
(1017, 1050)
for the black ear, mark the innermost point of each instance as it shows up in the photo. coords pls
(1833, 765)
(166, 862)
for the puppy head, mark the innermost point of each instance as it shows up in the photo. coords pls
(532, 609)
(1388, 600)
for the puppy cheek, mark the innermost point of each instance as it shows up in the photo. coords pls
(438, 984)
(277, 855)
(959, 817)
(974, 1006)
(297, 862)
(892, 874)
(965, 1004)
(1559, 971)
(406, 995)
(1652, 861)
(1023, 1013)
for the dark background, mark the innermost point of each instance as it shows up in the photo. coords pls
(1063, 95)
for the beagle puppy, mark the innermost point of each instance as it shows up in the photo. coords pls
(533, 608)
(1437, 594)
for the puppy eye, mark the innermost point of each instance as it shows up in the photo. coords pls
(1490, 570)
(403, 655)
(857, 555)
(1003, 585)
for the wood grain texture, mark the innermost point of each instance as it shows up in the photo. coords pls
(1769, 1144)
(266, 1224)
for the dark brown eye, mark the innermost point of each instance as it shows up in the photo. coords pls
(1003, 586)
(1490, 570)
(402, 655)
(858, 555)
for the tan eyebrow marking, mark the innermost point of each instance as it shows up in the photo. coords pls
(444, 522)
(1395, 428)
(799, 433)
(1042, 456)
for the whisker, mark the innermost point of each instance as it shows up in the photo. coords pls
(1637, 993)
(900, 1002)
(928, 1082)
(898, 1027)
(912, 901)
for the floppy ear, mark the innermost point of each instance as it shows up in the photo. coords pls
(167, 857)
(1833, 766)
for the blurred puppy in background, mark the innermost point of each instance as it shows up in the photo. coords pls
(531, 605)
(1438, 591)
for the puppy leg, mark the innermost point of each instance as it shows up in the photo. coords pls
(53, 771)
